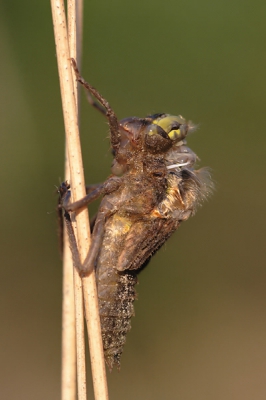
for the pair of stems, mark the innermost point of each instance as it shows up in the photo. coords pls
(68, 45)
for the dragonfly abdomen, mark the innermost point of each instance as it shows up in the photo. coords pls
(116, 299)
(116, 291)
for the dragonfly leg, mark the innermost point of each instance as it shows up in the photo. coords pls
(91, 188)
(98, 230)
(104, 108)
(72, 242)
(96, 242)
(95, 104)
(107, 187)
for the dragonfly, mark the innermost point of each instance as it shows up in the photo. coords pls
(153, 187)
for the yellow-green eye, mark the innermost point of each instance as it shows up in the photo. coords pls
(174, 126)
(167, 121)
(175, 134)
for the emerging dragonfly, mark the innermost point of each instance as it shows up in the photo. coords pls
(154, 187)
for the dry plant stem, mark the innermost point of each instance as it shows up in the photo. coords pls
(70, 118)
(78, 191)
(68, 378)
(73, 344)
(73, 351)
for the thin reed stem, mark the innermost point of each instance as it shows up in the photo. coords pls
(82, 222)
(73, 351)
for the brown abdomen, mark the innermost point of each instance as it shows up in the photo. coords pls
(116, 291)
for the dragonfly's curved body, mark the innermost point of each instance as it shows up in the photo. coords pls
(157, 190)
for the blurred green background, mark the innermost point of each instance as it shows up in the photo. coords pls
(200, 326)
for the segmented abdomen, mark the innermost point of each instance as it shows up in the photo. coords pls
(116, 292)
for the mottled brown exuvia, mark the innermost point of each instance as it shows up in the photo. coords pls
(152, 189)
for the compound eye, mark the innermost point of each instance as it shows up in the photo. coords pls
(175, 132)
(175, 126)
(157, 130)
(178, 133)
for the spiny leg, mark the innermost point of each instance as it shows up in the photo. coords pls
(96, 242)
(89, 263)
(64, 195)
(98, 229)
(110, 114)
(95, 104)
(97, 237)
(73, 243)
(107, 187)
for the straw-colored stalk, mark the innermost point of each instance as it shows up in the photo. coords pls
(72, 317)
(87, 285)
